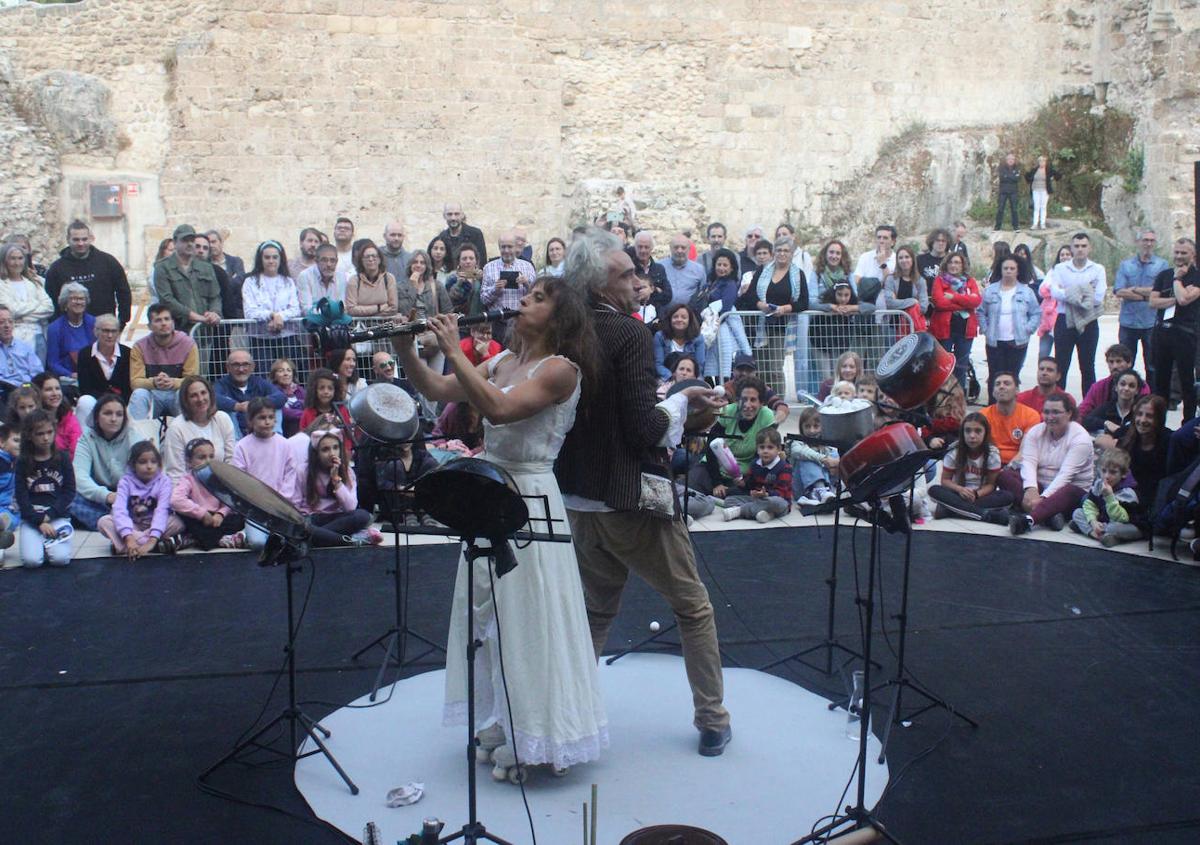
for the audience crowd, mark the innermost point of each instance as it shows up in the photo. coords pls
(766, 321)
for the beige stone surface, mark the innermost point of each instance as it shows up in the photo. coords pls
(264, 116)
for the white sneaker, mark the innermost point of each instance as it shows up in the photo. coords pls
(730, 514)
(1188, 532)
(826, 494)
(763, 516)
(809, 501)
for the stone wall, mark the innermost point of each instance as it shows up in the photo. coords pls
(264, 116)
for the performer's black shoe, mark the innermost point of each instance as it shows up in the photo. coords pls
(714, 740)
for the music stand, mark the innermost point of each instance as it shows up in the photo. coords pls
(286, 546)
(395, 639)
(857, 813)
(476, 498)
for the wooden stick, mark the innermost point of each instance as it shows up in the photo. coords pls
(595, 795)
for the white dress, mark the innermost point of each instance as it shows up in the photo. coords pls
(548, 659)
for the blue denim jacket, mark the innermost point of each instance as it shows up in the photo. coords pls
(1026, 314)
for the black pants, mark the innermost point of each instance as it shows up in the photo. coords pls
(208, 536)
(329, 529)
(1066, 341)
(1011, 199)
(1004, 357)
(959, 506)
(1174, 347)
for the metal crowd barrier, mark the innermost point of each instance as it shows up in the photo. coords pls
(799, 351)
(294, 342)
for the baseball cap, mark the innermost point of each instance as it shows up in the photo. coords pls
(182, 232)
(743, 359)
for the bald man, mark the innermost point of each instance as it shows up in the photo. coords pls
(506, 279)
(395, 256)
(685, 276)
(457, 232)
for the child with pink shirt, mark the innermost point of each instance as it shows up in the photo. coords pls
(267, 456)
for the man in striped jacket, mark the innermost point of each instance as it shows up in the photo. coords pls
(618, 426)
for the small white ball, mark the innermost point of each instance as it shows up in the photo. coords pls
(654, 627)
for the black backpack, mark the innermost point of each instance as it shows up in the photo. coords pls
(1175, 504)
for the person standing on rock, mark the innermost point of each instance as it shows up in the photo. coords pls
(1041, 185)
(1010, 178)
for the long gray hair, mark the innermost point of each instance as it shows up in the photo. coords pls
(26, 271)
(586, 265)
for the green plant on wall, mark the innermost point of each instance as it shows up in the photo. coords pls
(1134, 168)
(1086, 147)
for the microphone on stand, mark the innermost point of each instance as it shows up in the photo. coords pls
(341, 337)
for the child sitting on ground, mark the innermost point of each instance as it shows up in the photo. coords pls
(283, 376)
(45, 489)
(141, 520)
(267, 456)
(969, 473)
(812, 463)
(10, 517)
(208, 522)
(1104, 513)
(769, 484)
(398, 474)
(325, 493)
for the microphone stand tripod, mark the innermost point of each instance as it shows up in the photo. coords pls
(279, 551)
(901, 681)
(857, 813)
(830, 643)
(395, 639)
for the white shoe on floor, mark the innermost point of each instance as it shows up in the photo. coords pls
(730, 514)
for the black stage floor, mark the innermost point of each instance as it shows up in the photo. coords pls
(119, 683)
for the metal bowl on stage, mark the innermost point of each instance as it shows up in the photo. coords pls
(385, 412)
(474, 497)
(259, 504)
(913, 369)
(846, 427)
(672, 834)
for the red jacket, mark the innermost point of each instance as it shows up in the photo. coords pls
(945, 302)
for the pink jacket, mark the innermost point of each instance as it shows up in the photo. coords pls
(1049, 309)
(190, 498)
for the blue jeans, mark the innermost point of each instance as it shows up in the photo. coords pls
(148, 404)
(960, 348)
(86, 512)
(1131, 338)
(806, 474)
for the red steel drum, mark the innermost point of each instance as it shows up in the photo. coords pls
(883, 462)
(913, 369)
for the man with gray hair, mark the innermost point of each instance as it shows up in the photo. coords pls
(1133, 286)
(71, 332)
(642, 253)
(619, 425)
(395, 256)
(506, 279)
(103, 368)
(686, 276)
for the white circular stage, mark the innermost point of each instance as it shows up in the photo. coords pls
(786, 766)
